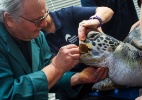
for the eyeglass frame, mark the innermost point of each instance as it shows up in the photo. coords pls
(38, 21)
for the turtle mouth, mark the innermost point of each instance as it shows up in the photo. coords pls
(93, 60)
(83, 49)
(89, 56)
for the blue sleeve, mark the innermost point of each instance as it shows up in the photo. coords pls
(89, 3)
(76, 13)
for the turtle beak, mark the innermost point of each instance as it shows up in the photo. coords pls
(85, 46)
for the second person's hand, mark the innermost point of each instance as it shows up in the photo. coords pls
(86, 26)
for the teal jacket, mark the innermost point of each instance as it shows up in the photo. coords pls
(17, 80)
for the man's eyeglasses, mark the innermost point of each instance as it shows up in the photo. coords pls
(38, 21)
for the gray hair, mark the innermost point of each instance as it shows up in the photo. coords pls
(13, 7)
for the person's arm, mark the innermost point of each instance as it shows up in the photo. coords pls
(139, 98)
(135, 25)
(104, 13)
(67, 57)
(71, 83)
(89, 75)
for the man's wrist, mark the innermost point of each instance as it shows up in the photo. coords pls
(98, 18)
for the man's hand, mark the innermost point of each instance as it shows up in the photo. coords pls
(93, 74)
(67, 58)
(89, 75)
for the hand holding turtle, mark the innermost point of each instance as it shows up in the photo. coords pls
(93, 74)
(94, 23)
(86, 26)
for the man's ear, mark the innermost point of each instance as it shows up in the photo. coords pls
(8, 19)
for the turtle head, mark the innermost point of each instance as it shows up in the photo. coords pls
(96, 47)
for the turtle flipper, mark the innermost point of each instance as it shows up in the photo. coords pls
(104, 85)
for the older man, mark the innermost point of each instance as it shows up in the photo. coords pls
(26, 69)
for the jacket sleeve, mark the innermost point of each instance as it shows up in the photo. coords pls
(64, 86)
(26, 87)
(15, 84)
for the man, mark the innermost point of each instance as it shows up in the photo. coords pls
(26, 69)
(62, 29)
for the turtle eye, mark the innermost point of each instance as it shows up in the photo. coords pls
(93, 35)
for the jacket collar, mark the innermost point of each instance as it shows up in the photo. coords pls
(15, 52)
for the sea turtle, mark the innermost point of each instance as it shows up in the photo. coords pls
(124, 59)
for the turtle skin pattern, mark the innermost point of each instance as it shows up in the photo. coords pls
(124, 59)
